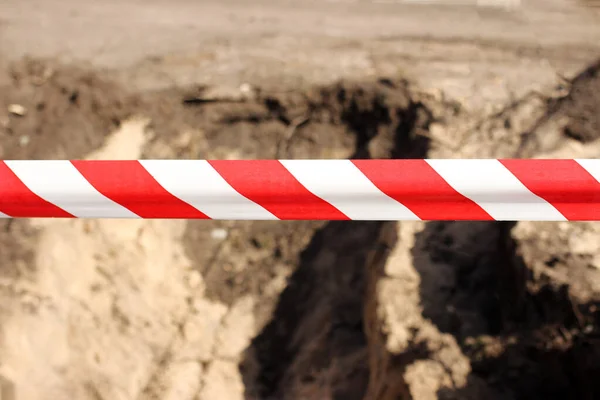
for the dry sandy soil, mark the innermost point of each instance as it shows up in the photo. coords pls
(197, 310)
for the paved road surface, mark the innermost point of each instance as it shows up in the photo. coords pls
(161, 42)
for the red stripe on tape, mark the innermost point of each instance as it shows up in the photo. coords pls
(17, 200)
(269, 184)
(421, 189)
(129, 184)
(563, 183)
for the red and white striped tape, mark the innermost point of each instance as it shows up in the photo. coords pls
(550, 190)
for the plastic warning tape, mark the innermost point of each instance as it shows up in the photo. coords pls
(509, 190)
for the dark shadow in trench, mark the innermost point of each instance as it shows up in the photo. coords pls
(317, 328)
(476, 286)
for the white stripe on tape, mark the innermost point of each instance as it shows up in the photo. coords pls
(496, 190)
(197, 183)
(591, 166)
(59, 183)
(344, 186)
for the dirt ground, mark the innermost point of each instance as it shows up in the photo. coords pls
(202, 310)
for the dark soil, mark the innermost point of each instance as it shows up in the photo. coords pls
(70, 110)
(582, 105)
(526, 336)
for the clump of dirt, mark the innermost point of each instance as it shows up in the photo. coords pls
(570, 118)
(68, 110)
(581, 105)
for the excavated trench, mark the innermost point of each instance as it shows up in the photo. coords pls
(524, 335)
(315, 346)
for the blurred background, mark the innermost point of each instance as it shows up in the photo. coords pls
(203, 310)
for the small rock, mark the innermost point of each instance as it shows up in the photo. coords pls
(247, 91)
(23, 140)
(17, 109)
(245, 88)
(219, 234)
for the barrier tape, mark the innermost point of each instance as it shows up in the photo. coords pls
(490, 189)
